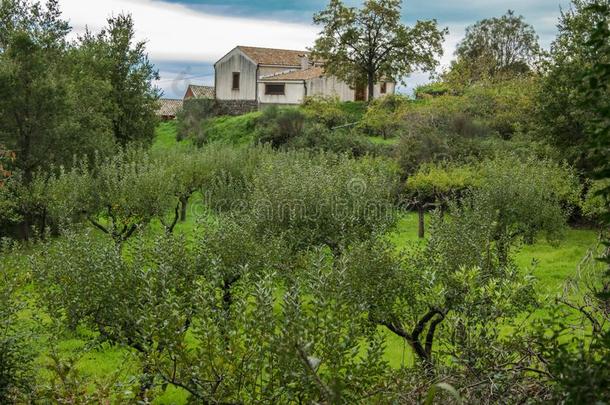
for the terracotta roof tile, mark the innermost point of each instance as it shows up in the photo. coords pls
(305, 74)
(270, 56)
(202, 91)
(169, 107)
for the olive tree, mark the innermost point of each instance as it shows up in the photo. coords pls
(128, 190)
(302, 344)
(456, 276)
(315, 199)
(434, 185)
(529, 197)
(140, 298)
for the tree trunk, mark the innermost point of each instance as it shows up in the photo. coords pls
(421, 214)
(371, 86)
(183, 205)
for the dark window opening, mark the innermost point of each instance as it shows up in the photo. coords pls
(384, 87)
(275, 89)
(235, 80)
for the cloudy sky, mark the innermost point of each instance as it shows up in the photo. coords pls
(186, 37)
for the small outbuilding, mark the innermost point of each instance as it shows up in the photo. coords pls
(169, 108)
(195, 91)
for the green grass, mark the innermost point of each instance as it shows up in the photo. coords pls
(165, 137)
(354, 110)
(235, 130)
(379, 140)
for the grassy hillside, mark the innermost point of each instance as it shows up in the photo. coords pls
(235, 130)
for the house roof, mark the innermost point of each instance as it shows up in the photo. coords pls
(271, 56)
(202, 91)
(169, 107)
(304, 74)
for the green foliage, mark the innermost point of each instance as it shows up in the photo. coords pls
(435, 183)
(595, 203)
(124, 64)
(322, 199)
(527, 198)
(325, 110)
(506, 107)
(38, 91)
(277, 126)
(383, 116)
(142, 301)
(421, 142)
(434, 89)
(192, 116)
(494, 48)
(130, 189)
(16, 336)
(566, 112)
(302, 335)
(371, 44)
(341, 141)
(428, 295)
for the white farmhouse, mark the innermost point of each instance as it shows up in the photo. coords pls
(281, 76)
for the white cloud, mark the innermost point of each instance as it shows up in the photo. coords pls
(177, 33)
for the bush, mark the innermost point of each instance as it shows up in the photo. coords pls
(419, 147)
(382, 116)
(277, 126)
(306, 346)
(192, 116)
(327, 111)
(318, 137)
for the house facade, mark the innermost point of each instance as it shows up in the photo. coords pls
(281, 76)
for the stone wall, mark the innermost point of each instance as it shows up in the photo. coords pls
(236, 107)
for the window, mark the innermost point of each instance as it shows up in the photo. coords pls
(384, 88)
(275, 89)
(235, 80)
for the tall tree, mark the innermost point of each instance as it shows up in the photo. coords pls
(493, 47)
(370, 44)
(32, 42)
(567, 115)
(123, 62)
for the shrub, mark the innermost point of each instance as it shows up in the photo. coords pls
(327, 111)
(382, 116)
(417, 147)
(129, 189)
(507, 106)
(595, 203)
(277, 126)
(529, 198)
(192, 116)
(306, 346)
(431, 90)
(318, 137)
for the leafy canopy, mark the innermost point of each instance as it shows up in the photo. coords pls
(371, 44)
